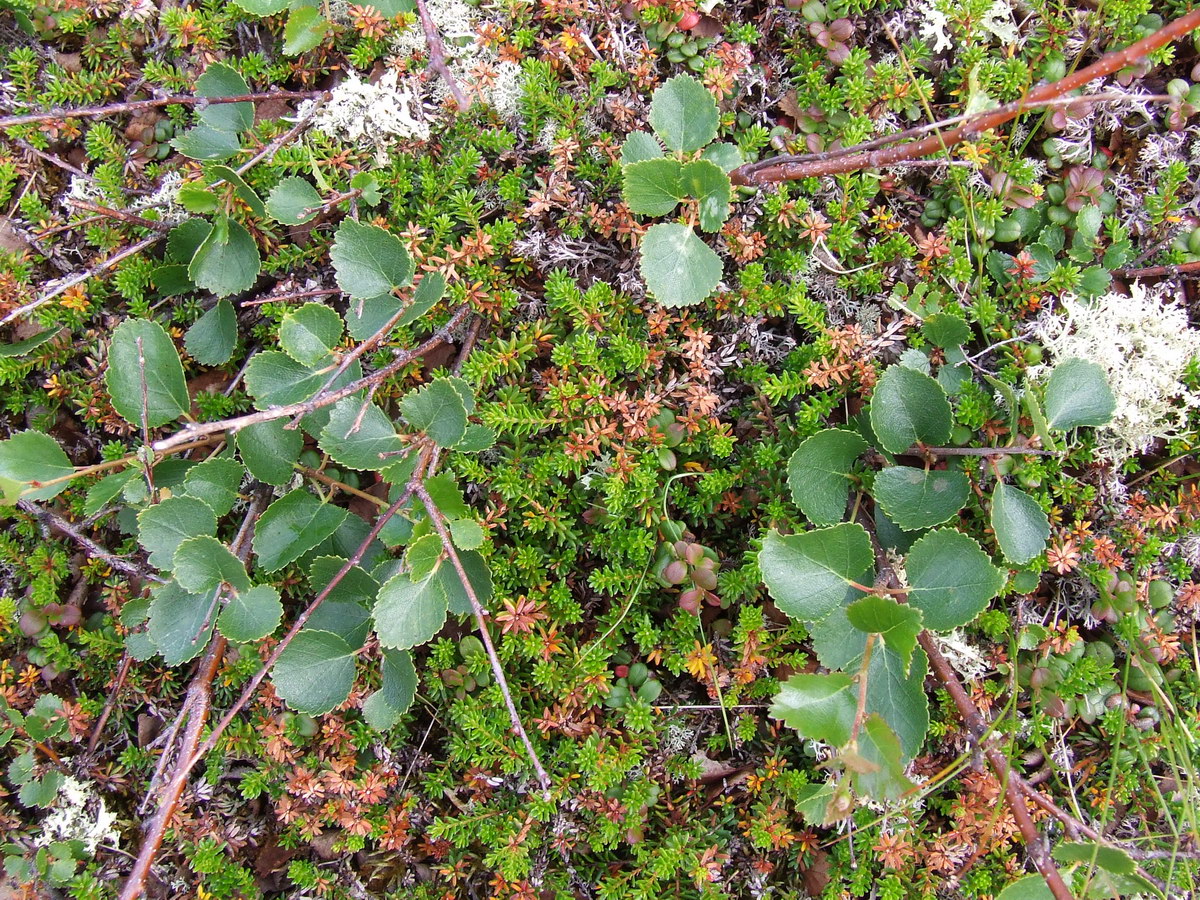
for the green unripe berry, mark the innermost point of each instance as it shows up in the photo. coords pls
(1160, 593)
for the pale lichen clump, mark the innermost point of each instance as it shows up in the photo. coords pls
(1144, 343)
(375, 115)
(78, 814)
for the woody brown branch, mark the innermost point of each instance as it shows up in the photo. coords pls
(787, 168)
(110, 109)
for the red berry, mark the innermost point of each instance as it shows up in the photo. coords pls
(622, 671)
(689, 20)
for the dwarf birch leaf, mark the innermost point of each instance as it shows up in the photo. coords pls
(212, 338)
(180, 623)
(809, 575)
(438, 410)
(167, 524)
(479, 575)
(819, 471)
(104, 491)
(30, 456)
(1019, 523)
(204, 563)
(727, 156)
(950, 579)
(638, 147)
(263, 7)
(679, 268)
(475, 439)
(896, 623)
(291, 526)
(216, 482)
(220, 80)
(916, 498)
(909, 407)
(1031, 887)
(142, 355)
(427, 294)
(251, 615)
(315, 673)
(227, 262)
(366, 317)
(205, 143)
(384, 708)
(309, 333)
(369, 261)
(409, 613)
(706, 181)
(305, 29)
(820, 707)
(883, 777)
(684, 114)
(467, 534)
(896, 692)
(293, 201)
(1077, 394)
(270, 450)
(423, 556)
(275, 379)
(652, 187)
(241, 188)
(358, 434)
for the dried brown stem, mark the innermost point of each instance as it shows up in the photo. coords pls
(439, 525)
(196, 707)
(1013, 794)
(111, 702)
(109, 109)
(319, 400)
(120, 214)
(1187, 268)
(786, 168)
(437, 56)
(95, 551)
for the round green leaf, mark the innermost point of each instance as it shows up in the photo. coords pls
(227, 262)
(212, 338)
(423, 556)
(293, 201)
(467, 533)
(818, 474)
(369, 261)
(429, 291)
(950, 579)
(251, 615)
(820, 707)
(29, 457)
(305, 29)
(684, 114)
(409, 613)
(436, 409)
(275, 379)
(216, 482)
(898, 624)
(220, 80)
(916, 498)
(211, 144)
(358, 434)
(679, 268)
(180, 623)
(270, 450)
(909, 407)
(309, 333)
(1077, 394)
(709, 184)
(291, 526)
(385, 707)
(167, 524)
(639, 146)
(315, 673)
(809, 575)
(652, 187)
(1020, 525)
(145, 376)
(203, 563)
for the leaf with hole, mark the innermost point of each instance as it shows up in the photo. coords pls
(897, 623)
(653, 187)
(820, 707)
(293, 201)
(908, 407)
(227, 262)
(919, 498)
(309, 334)
(950, 579)
(369, 261)
(291, 526)
(1019, 523)
(270, 450)
(709, 184)
(251, 615)
(203, 563)
(819, 474)
(315, 673)
(168, 523)
(679, 268)
(241, 188)
(145, 377)
(409, 613)
(30, 457)
(809, 575)
(684, 114)
(212, 338)
(1078, 394)
(436, 409)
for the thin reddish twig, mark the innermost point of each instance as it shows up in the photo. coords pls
(109, 109)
